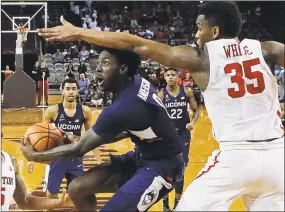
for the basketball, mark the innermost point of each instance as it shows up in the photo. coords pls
(44, 136)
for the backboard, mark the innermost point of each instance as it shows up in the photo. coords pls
(31, 15)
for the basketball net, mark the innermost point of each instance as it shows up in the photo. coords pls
(22, 33)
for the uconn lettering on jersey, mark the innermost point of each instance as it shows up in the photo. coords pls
(69, 126)
(175, 104)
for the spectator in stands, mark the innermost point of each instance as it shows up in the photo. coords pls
(59, 58)
(35, 72)
(97, 96)
(146, 33)
(84, 84)
(93, 23)
(74, 51)
(64, 53)
(151, 70)
(55, 55)
(67, 58)
(7, 72)
(160, 76)
(188, 81)
(154, 81)
(89, 4)
(70, 72)
(94, 14)
(83, 53)
(42, 72)
(82, 68)
(143, 71)
(84, 25)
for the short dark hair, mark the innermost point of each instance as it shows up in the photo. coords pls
(131, 59)
(172, 69)
(69, 80)
(225, 15)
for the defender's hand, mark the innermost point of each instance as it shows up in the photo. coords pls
(66, 32)
(65, 200)
(190, 126)
(69, 137)
(27, 149)
(30, 167)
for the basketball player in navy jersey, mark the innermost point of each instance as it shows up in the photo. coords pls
(138, 178)
(70, 117)
(176, 100)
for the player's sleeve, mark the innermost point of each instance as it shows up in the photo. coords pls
(109, 124)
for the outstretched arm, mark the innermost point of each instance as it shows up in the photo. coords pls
(177, 57)
(273, 52)
(29, 202)
(88, 141)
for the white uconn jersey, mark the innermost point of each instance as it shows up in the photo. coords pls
(242, 94)
(8, 183)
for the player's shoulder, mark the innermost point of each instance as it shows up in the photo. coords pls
(52, 109)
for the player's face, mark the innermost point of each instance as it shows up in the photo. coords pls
(171, 77)
(70, 92)
(205, 32)
(107, 71)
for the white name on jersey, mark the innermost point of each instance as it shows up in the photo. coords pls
(144, 89)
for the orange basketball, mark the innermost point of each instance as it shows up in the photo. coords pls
(44, 136)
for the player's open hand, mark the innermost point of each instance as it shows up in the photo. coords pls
(190, 126)
(30, 167)
(65, 200)
(66, 32)
(27, 149)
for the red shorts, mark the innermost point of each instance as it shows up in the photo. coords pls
(40, 86)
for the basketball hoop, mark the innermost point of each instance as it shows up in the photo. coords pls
(22, 33)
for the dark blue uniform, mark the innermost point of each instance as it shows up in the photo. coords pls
(149, 172)
(68, 168)
(177, 108)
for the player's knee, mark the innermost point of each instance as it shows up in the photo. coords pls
(74, 188)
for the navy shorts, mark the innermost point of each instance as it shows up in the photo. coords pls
(69, 169)
(142, 182)
(185, 139)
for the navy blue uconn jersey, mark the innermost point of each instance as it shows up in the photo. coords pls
(70, 124)
(177, 108)
(140, 112)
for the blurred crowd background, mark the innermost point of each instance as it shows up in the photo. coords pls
(172, 23)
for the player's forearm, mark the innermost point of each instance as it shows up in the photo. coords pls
(196, 114)
(118, 40)
(121, 136)
(38, 203)
(67, 151)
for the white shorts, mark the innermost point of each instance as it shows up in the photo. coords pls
(255, 174)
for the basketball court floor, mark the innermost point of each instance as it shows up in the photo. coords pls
(16, 121)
